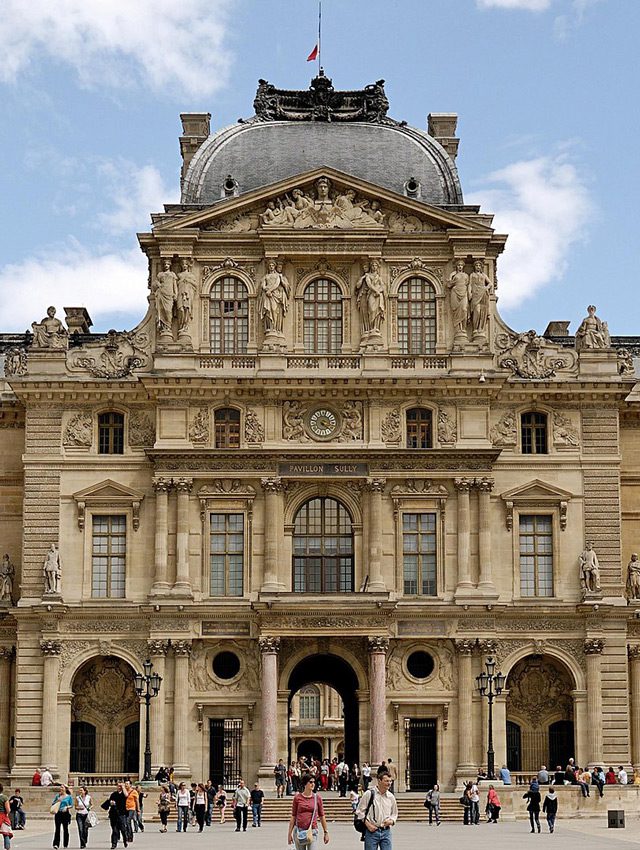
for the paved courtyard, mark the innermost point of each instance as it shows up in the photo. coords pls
(408, 836)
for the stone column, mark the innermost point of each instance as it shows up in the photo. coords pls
(269, 649)
(378, 647)
(593, 650)
(375, 486)
(157, 654)
(182, 586)
(500, 729)
(465, 585)
(273, 529)
(51, 650)
(161, 579)
(6, 656)
(485, 486)
(634, 675)
(465, 767)
(182, 651)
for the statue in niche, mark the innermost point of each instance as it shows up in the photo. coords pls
(50, 332)
(274, 301)
(480, 290)
(52, 571)
(593, 333)
(7, 575)
(370, 298)
(589, 570)
(633, 578)
(186, 286)
(164, 294)
(458, 287)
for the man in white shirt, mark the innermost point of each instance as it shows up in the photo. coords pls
(381, 815)
(623, 779)
(45, 777)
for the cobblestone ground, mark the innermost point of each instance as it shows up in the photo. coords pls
(408, 836)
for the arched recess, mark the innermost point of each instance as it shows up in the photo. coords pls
(310, 749)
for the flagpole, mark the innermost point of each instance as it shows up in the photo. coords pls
(319, 35)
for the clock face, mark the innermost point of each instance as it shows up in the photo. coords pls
(323, 423)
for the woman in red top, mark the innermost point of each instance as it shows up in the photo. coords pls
(610, 777)
(306, 811)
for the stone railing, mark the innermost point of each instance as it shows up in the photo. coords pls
(92, 780)
(326, 363)
(216, 361)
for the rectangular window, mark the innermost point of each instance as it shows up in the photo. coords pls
(536, 556)
(108, 556)
(226, 554)
(419, 554)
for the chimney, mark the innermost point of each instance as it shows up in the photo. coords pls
(196, 127)
(556, 329)
(78, 320)
(442, 126)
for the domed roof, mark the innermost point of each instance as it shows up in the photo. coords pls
(266, 149)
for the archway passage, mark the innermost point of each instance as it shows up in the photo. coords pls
(334, 671)
(310, 749)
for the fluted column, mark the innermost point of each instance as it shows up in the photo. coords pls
(463, 486)
(157, 653)
(182, 584)
(634, 674)
(378, 647)
(51, 650)
(182, 651)
(593, 650)
(273, 490)
(375, 486)
(465, 767)
(485, 486)
(269, 649)
(6, 656)
(161, 578)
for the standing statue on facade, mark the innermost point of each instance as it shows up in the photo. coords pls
(52, 571)
(7, 575)
(480, 290)
(50, 332)
(185, 291)
(458, 287)
(589, 570)
(371, 301)
(275, 291)
(165, 293)
(592, 333)
(633, 578)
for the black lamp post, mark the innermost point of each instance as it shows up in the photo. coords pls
(490, 685)
(147, 685)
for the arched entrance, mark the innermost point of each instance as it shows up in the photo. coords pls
(334, 671)
(540, 727)
(310, 749)
(105, 727)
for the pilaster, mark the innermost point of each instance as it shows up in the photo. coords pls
(378, 647)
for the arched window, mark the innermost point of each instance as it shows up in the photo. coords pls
(110, 433)
(229, 316)
(419, 428)
(227, 428)
(323, 548)
(416, 317)
(533, 432)
(309, 711)
(322, 318)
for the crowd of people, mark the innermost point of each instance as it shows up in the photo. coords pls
(329, 775)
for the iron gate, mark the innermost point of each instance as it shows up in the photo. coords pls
(561, 747)
(225, 752)
(421, 737)
(514, 746)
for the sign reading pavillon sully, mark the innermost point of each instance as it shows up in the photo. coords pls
(349, 470)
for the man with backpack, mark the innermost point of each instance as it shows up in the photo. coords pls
(377, 811)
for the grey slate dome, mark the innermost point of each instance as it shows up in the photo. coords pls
(319, 131)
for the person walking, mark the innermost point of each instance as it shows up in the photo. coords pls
(380, 816)
(241, 798)
(366, 775)
(183, 801)
(200, 805)
(61, 807)
(550, 808)
(533, 806)
(17, 813)
(280, 773)
(393, 773)
(474, 796)
(221, 801)
(306, 810)
(82, 805)
(493, 805)
(211, 793)
(132, 807)
(257, 796)
(164, 807)
(432, 804)
(141, 799)
(117, 807)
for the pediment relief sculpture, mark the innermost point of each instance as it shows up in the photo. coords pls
(199, 428)
(118, 356)
(79, 431)
(505, 431)
(564, 432)
(593, 333)
(253, 429)
(142, 429)
(447, 427)
(419, 487)
(50, 333)
(391, 426)
(532, 357)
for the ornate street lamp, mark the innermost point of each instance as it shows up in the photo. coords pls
(490, 685)
(147, 685)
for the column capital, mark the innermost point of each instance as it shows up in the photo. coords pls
(485, 485)
(181, 648)
(593, 646)
(378, 643)
(375, 485)
(273, 485)
(7, 652)
(487, 646)
(162, 485)
(463, 485)
(269, 645)
(465, 646)
(50, 647)
(157, 647)
(183, 485)
(633, 650)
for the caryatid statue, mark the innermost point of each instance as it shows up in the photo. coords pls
(7, 575)
(593, 332)
(50, 332)
(52, 570)
(458, 286)
(633, 578)
(480, 290)
(371, 299)
(165, 291)
(274, 299)
(589, 570)
(185, 290)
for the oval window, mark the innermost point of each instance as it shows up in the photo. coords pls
(226, 665)
(420, 664)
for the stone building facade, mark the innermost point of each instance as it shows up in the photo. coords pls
(322, 459)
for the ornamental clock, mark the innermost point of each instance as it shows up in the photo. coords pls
(323, 423)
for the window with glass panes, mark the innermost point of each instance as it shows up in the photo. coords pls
(419, 554)
(226, 554)
(323, 548)
(227, 428)
(419, 428)
(322, 318)
(111, 433)
(536, 555)
(229, 316)
(417, 317)
(108, 556)
(309, 706)
(534, 433)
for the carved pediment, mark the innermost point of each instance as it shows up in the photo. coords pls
(109, 493)
(536, 493)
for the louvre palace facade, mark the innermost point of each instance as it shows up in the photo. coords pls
(319, 482)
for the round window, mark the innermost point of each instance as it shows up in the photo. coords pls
(226, 665)
(420, 664)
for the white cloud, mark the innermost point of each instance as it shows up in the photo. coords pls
(136, 192)
(544, 207)
(527, 5)
(165, 45)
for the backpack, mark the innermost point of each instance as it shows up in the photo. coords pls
(358, 823)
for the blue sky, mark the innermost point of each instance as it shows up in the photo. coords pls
(546, 92)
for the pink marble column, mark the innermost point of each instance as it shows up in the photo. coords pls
(378, 647)
(269, 649)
